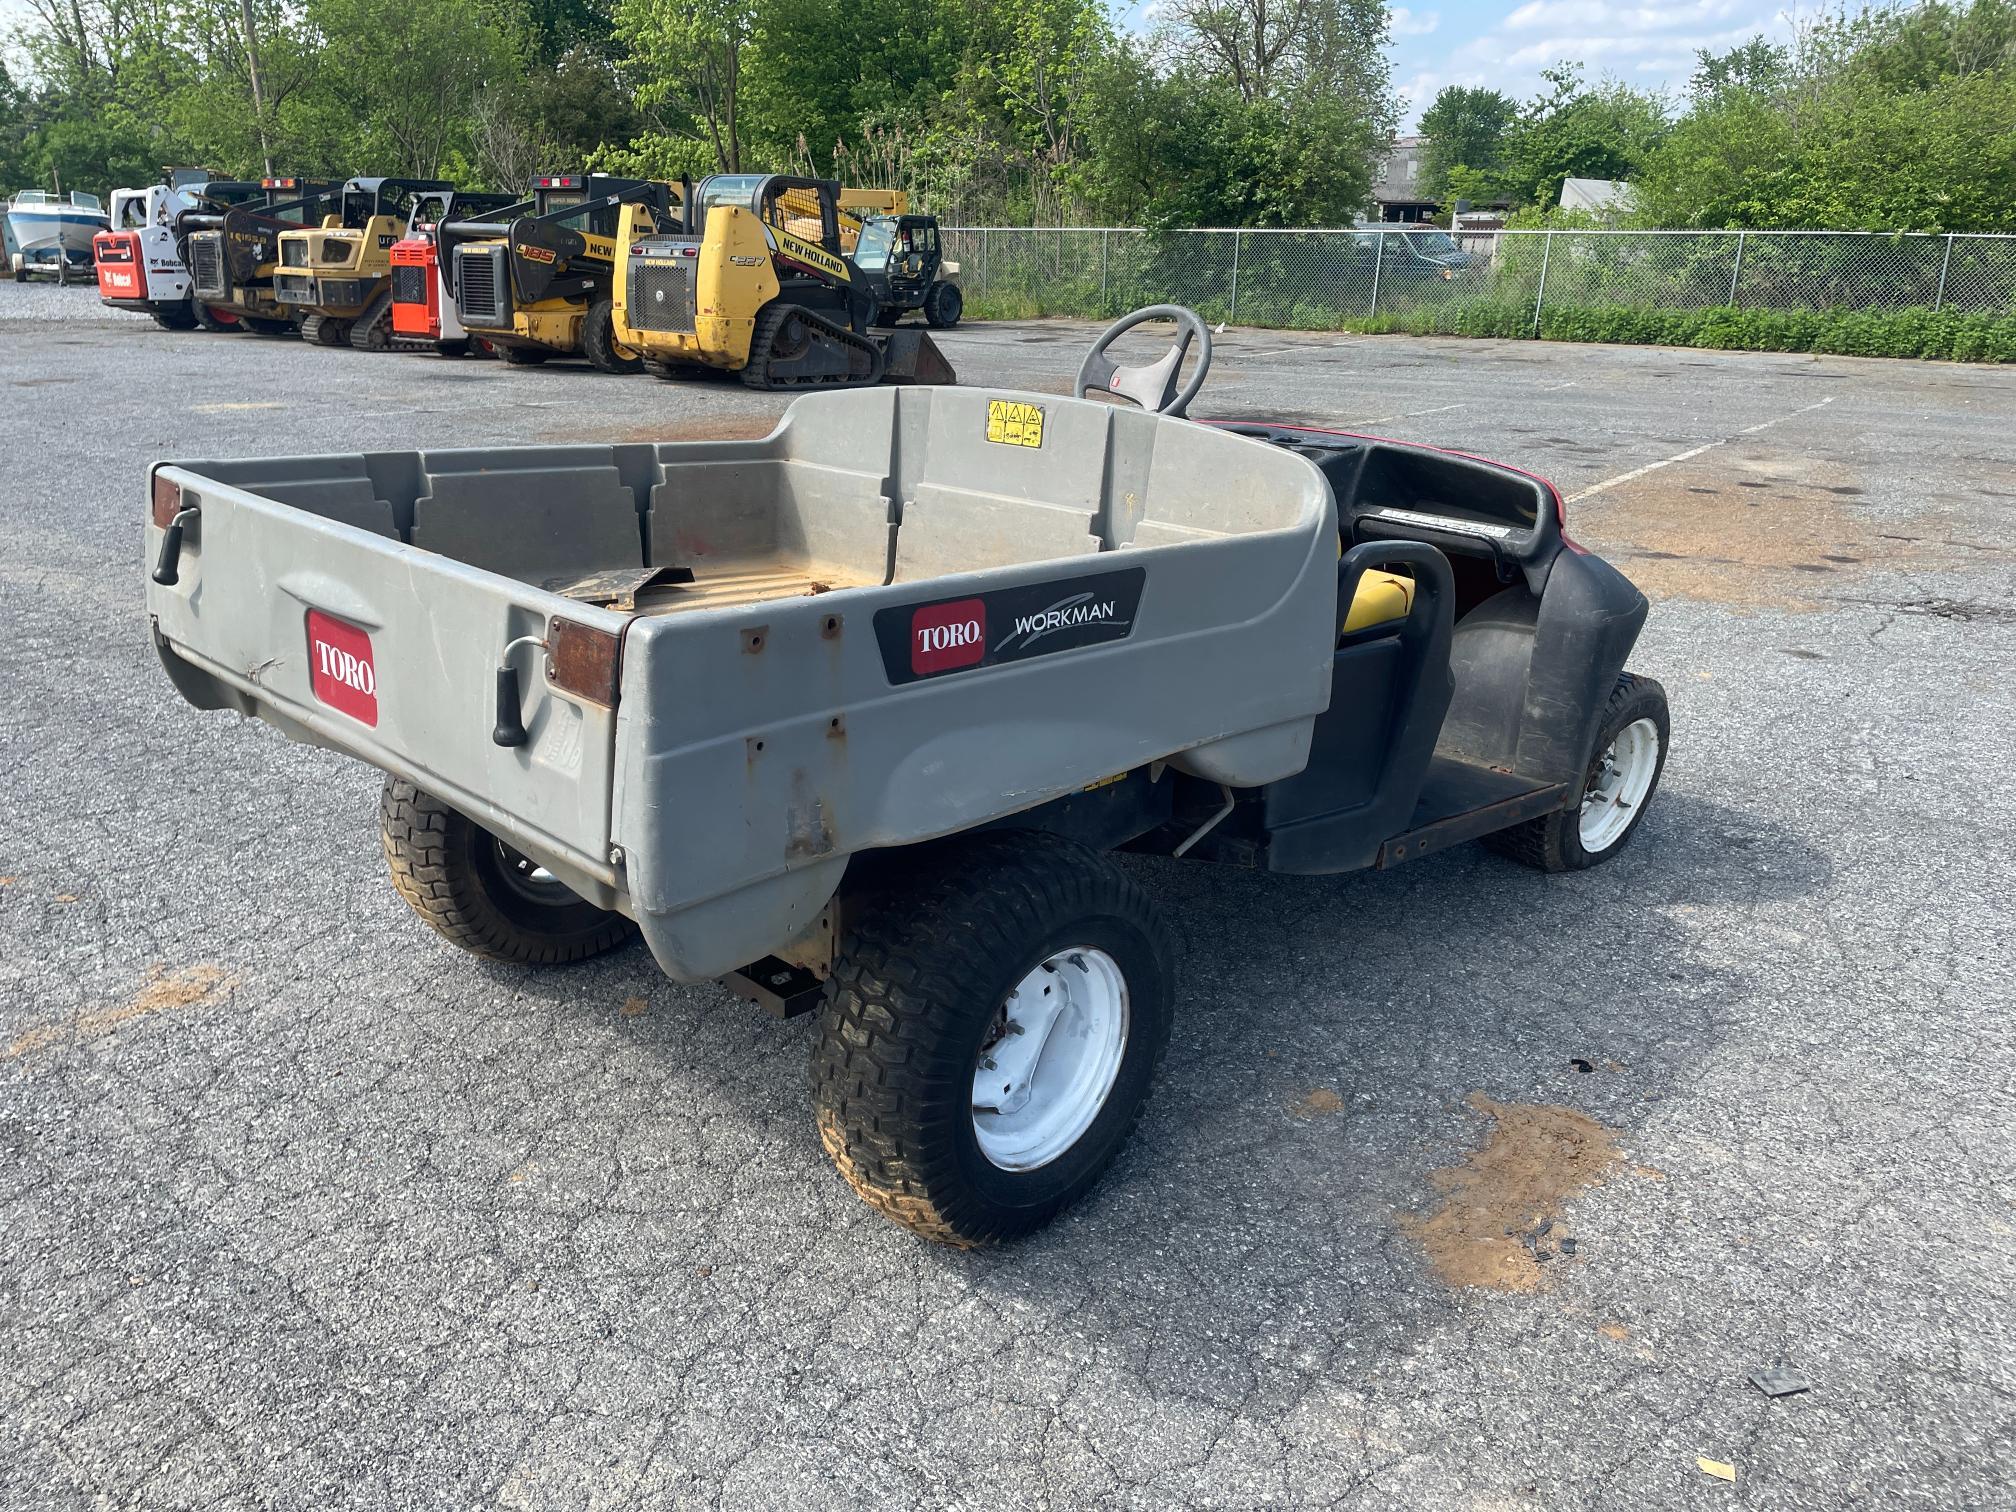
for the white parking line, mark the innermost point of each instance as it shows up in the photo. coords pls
(1695, 451)
(1438, 409)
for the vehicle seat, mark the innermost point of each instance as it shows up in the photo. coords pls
(1380, 598)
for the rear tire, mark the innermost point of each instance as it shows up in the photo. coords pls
(598, 341)
(1622, 776)
(943, 304)
(180, 316)
(518, 356)
(260, 326)
(209, 320)
(921, 1016)
(480, 894)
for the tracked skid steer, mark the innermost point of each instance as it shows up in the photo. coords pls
(758, 283)
(338, 275)
(542, 284)
(233, 254)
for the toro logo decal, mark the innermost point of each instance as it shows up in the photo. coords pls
(340, 669)
(944, 636)
(1009, 624)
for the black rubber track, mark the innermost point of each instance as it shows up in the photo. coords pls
(756, 372)
(921, 972)
(441, 868)
(1553, 843)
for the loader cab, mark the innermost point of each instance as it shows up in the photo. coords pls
(805, 209)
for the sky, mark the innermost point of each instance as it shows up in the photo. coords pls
(1503, 44)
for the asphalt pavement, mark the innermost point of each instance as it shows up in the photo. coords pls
(301, 1208)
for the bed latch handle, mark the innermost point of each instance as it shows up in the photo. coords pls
(168, 566)
(510, 728)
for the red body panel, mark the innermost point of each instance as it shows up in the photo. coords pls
(417, 318)
(122, 273)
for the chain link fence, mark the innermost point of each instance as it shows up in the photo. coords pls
(1319, 280)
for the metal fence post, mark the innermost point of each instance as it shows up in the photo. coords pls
(1540, 298)
(1945, 266)
(983, 262)
(1737, 271)
(1378, 257)
(1105, 264)
(1234, 312)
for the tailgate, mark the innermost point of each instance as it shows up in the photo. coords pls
(342, 635)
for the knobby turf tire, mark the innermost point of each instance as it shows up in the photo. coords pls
(445, 866)
(921, 972)
(598, 341)
(1553, 842)
(943, 304)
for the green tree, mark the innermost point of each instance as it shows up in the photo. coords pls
(1576, 130)
(1465, 128)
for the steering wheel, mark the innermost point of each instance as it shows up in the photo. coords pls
(1153, 387)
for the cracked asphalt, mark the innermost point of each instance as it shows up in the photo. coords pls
(300, 1208)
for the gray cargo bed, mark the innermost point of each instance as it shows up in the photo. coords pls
(894, 618)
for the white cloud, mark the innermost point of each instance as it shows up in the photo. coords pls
(1409, 23)
(1560, 14)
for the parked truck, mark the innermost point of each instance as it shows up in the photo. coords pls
(850, 716)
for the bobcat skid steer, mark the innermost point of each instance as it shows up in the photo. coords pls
(139, 256)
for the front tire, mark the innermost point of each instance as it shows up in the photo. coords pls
(1623, 774)
(479, 893)
(518, 356)
(991, 1035)
(598, 341)
(943, 304)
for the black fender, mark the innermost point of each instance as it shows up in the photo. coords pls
(1533, 675)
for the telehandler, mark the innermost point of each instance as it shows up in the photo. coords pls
(900, 257)
(233, 254)
(339, 274)
(542, 285)
(754, 285)
(423, 304)
(139, 255)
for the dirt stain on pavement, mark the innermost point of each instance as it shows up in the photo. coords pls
(185, 987)
(1790, 535)
(1320, 1103)
(634, 1007)
(1500, 1222)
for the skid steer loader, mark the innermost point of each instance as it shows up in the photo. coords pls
(339, 275)
(755, 285)
(232, 255)
(139, 255)
(423, 305)
(542, 285)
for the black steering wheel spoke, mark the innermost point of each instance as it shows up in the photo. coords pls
(1157, 387)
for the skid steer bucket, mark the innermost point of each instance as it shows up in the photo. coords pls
(913, 357)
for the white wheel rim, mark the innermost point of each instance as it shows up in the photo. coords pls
(1050, 1059)
(1618, 786)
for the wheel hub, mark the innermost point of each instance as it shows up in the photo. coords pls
(1617, 786)
(1050, 1058)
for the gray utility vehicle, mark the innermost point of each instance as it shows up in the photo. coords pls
(847, 715)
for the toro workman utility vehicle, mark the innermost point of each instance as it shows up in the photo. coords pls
(139, 255)
(232, 255)
(423, 305)
(848, 715)
(338, 275)
(541, 285)
(757, 282)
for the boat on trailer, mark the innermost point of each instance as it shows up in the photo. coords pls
(51, 233)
